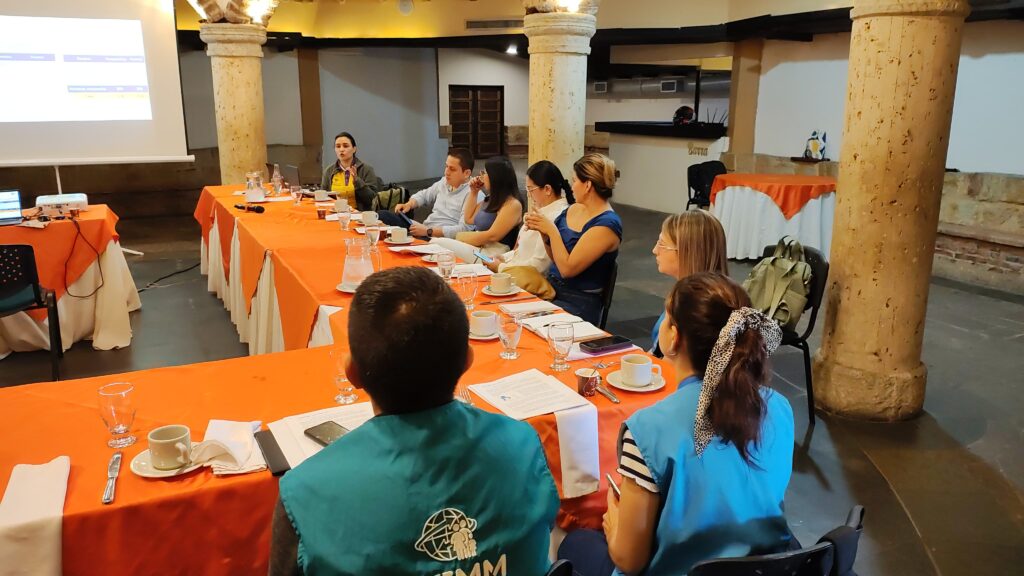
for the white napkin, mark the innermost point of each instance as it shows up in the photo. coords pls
(229, 448)
(577, 446)
(577, 354)
(30, 518)
(528, 307)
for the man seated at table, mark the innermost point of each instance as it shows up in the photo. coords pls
(429, 485)
(445, 198)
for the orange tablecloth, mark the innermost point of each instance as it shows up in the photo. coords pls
(61, 255)
(790, 192)
(198, 523)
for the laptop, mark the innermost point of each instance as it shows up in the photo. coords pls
(10, 207)
(290, 173)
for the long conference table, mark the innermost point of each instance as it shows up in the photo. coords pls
(202, 524)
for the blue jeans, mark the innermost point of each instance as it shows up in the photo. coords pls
(586, 305)
(588, 552)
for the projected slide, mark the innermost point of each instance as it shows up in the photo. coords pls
(72, 69)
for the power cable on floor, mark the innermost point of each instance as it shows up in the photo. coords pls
(154, 284)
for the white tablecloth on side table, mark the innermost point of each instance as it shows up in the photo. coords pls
(752, 221)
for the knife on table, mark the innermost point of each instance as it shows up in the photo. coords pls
(112, 469)
(608, 394)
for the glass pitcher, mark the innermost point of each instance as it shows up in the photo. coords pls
(360, 262)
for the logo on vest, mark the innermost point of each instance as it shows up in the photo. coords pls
(448, 535)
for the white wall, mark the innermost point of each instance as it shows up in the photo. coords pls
(486, 68)
(280, 98)
(387, 99)
(803, 88)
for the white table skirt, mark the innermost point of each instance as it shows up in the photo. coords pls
(752, 221)
(102, 317)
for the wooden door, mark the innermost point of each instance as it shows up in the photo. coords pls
(477, 118)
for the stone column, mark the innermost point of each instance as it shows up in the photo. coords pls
(235, 51)
(903, 65)
(559, 45)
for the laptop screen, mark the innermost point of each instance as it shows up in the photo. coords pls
(10, 205)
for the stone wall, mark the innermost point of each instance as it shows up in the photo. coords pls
(981, 220)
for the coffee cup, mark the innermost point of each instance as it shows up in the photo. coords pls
(321, 213)
(587, 381)
(170, 447)
(370, 218)
(399, 234)
(320, 196)
(341, 205)
(501, 283)
(483, 323)
(638, 370)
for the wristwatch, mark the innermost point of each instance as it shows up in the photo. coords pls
(430, 232)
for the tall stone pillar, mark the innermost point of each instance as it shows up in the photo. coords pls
(559, 45)
(903, 65)
(235, 51)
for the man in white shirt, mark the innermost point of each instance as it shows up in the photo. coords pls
(445, 198)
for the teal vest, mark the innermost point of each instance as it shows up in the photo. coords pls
(449, 491)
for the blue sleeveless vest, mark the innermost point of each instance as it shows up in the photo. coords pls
(714, 505)
(447, 491)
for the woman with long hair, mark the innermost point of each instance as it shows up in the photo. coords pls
(690, 242)
(349, 177)
(492, 210)
(704, 471)
(583, 241)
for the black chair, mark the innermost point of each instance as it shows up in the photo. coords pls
(560, 568)
(607, 293)
(699, 179)
(819, 277)
(20, 291)
(833, 555)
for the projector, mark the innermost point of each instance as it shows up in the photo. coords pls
(61, 204)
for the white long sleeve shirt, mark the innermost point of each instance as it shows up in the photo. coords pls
(529, 250)
(445, 206)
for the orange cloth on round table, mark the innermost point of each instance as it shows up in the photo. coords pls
(790, 192)
(54, 244)
(199, 523)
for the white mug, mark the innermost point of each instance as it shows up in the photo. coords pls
(320, 195)
(341, 205)
(399, 234)
(370, 218)
(501, 283)
(637, 370)
(483, 323)
(170, 447)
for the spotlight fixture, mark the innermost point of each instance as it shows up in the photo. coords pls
(512, 50)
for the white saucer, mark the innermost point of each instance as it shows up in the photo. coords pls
(432, 258)
(390, 241)
(483, 338)
(487, 290)
(615, 379)
(141, 466)
(345, 289)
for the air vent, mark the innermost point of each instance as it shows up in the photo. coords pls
(493, 24)
(668, 86)
(600, 87)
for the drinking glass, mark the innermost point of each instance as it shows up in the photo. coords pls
(373, 235)
(344, 218)
(118, 413)
(465, 286)
(560, 339)
(509, 330)
(446, 264)
(346, 391)
(296, 194)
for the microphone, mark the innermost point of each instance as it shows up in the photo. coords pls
(247, 208)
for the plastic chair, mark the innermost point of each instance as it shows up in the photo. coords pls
(699, 179)
(20, 291)
(607, 293)
(819, 277)
(560, 568)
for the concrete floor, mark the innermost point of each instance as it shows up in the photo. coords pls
(944, 493)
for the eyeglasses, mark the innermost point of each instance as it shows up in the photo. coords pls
(659, 245)
(532, 188)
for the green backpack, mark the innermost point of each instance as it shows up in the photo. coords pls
(392, 195)
(780, 283)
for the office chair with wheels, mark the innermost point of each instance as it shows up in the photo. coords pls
(20, 291)
(699, 178)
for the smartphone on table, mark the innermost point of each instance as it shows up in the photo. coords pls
(326, 433)
(606, 344)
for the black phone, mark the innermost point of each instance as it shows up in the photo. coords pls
(606, 344)
(326, 432)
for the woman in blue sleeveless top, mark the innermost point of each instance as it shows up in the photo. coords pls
(583, 241)
(691, 242)
(705, 470)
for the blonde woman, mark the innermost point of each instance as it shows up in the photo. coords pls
(691, 242)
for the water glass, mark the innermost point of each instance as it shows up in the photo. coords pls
(446, 264)
(343, 219)
(560, 339)
(373, 235)
(346, 391)
(509, 330)
(296, 194)
(118, 413)
(465, 286)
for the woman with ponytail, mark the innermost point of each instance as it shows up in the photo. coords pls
(705, 470)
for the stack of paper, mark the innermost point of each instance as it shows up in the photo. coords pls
(419, 249)
(528, 394)
(581, 329)
(290, 432)
(473, 269)
(528, 308)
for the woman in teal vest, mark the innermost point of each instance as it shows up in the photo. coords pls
(705, 470)
(428, 485)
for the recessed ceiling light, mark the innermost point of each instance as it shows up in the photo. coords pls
(512, 50)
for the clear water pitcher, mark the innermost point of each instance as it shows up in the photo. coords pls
(359, 262)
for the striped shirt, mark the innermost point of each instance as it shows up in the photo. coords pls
(632, 464)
